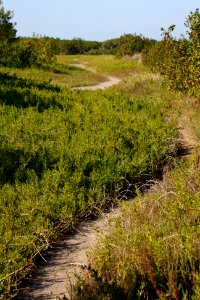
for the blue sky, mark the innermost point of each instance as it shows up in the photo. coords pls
(99, 19)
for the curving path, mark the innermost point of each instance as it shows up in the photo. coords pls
(56, 275)
(111, 80)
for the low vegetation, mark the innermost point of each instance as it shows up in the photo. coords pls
(64, 150)
(60, 75)
(106, 64)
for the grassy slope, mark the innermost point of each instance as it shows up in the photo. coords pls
(64, 150)
(60, 74)
(105, 64)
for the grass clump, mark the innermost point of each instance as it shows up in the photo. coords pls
(153, 251)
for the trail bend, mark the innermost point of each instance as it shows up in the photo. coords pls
(110, 80)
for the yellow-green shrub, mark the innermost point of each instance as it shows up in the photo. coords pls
(179, 60)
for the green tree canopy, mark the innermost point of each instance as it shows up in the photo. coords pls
(193, 23)
(7, 30)
(130, 44)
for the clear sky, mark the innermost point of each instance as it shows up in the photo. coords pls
(99, 19)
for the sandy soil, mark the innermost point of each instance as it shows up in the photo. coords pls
(55, 277)
(102, 85)
(111, 80)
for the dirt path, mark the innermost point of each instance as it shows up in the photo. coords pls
(111, 80)
(55, 277)
(102, 85)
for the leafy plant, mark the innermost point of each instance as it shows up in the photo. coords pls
(179, 60)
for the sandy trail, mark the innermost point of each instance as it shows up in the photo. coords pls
(102, 85)
(55, 277)
(111, 80)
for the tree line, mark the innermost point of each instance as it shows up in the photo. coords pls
(39, 51)
(179, 60)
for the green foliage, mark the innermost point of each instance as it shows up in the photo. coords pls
(179, 60)
(153, 252)
(7, 30)
(28, 52)
(110, 46)
(193, 23)
(76, 46)
(64, 150)
(22, 52)
(130, 44)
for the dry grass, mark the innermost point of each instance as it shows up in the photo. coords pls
(153, 251)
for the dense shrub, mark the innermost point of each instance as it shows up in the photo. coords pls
(76, 46)
(22, 52)
(130, 44)
(179, 60)
(27, 52)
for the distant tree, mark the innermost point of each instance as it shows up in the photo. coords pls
(193, 23)
(7, 30)
(77, 46)
(110, 46)
(179, 60)
(130, 44)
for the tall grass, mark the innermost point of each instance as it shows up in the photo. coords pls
(153, 251)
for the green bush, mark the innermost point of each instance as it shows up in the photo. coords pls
(179, 60)
(22, 52)
(129, 44)
(28, 52)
